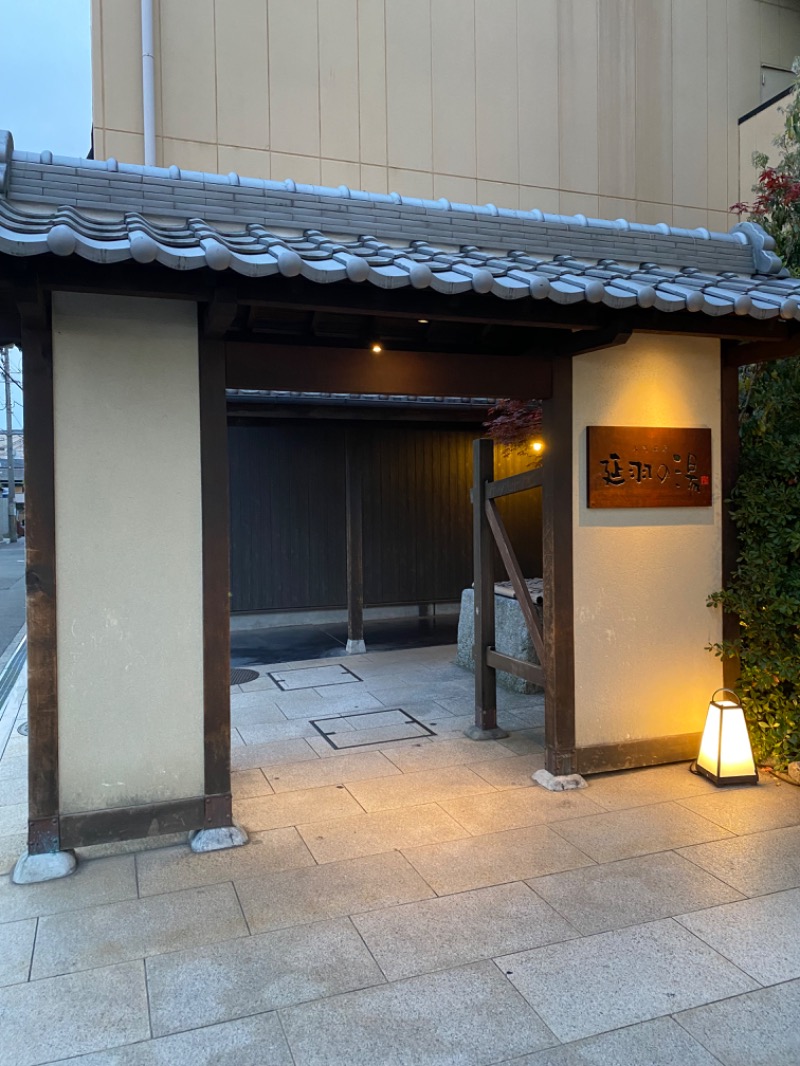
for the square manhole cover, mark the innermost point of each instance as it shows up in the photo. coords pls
(370, 727)
(313, 677)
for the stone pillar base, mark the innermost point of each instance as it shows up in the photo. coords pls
(226, 836)
(32, 869)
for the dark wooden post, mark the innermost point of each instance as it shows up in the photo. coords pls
(216, 583)
(355, 550)
(558, 502)
(40, 579)
(730, 472)
(485, 726)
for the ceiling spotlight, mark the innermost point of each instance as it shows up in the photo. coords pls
(423, 321)
(377, 349)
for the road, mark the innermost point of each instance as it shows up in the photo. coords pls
(12, 591)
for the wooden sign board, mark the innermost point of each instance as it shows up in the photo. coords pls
(648, 467)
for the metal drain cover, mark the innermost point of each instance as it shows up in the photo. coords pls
(23, 728)
(240, 676)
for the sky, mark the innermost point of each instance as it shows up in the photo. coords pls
(45, 89)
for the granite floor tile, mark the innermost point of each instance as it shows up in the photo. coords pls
(631, 891)
(754, 864)
(370, 834)
(11, 847)
(757, 1029)
(348, 739)
(316, 773)
(13, 818)
(603, 982)
(81, 1012)
(478, 862)
(272, 753)
(176, 868)
(660, 1042)
(761, 936)
(323, 749)
(254, 1041)
(203, 986)
(295, 808)
(16, 950)
(772, 805)
(425, 786)
(639, 831)
(96, 881)
(263, 733)
(516, 772)
(247, 783)
(306, 677)
(465, 1017)
(445, 753)
(438, 934)
(311, 705)
(516, 808)
(134, 929)
(13, 792)
(334, 890)
(654, 784)
(525, 742)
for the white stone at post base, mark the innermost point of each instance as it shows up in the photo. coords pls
(226, 836)
(355, 647)
(561, 783)
(32, 869)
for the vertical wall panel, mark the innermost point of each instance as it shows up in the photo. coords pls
(496, 90)
(453, 51)
(338, 79)
(189, 100)
(294, 77)
(372, 82)
(242, 73)
(654, 101)
(617, 98)
(577, 89)
(690, 95)
(408, 80)
(537, 68)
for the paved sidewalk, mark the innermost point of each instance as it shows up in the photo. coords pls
(413, 902)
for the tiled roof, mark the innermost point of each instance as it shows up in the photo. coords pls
(109, 212)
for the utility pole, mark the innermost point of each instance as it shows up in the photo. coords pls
(12, 501)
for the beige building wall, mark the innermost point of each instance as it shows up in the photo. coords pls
(129, 619)
(642, 576)
(757, 134)
(605, 107)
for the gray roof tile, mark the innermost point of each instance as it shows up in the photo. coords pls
(107, 211)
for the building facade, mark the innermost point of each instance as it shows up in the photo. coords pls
(608, 108)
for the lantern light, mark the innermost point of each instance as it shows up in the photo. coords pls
(726, 755)
(377, 348)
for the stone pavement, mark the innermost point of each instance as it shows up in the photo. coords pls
(412, 902)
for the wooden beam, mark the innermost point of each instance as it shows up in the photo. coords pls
(527, 671)
(359, 370)
(558, 502)
(40, 580)
(130, 823)
(635, 753)
(216, 578)
(354, 536)
(743, 354)
(515, 576)
(528, 479)
(581, 343)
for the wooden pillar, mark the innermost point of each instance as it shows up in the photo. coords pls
(355, 547)
(485, 726)
(729, 393)
(558, 503)
(216, 583)
(40, 579)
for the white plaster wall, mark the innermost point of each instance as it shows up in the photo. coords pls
(642, 576)
(129, 577)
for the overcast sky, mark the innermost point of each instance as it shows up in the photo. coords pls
(45, 88)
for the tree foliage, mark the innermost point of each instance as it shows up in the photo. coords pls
(764, 592)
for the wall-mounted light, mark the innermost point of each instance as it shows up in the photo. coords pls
(726, 756)
(377, 349)
(537, 447)
(423, 321)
